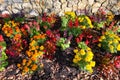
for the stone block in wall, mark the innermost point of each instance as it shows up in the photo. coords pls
(17, 1)
(64, 5)
(81, 5)
(15, 11)
(34, 13)
(26, 1)
(49, 4)
(57, 4)
(90, 2)
(3, 6)
(27, 5)
(68, 9)
(2, 1)
(62, 1)
(95, 7)
(17, 6)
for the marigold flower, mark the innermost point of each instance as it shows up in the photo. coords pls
(75, 60)
(25, 69)
(102, 37)
(75, 50)
(29, 53)
(99, 45)
(34, 67)
(118, 47)
(88, 67)
(41, 48)
(18, 65)
(92, 63)
(24, 61)
(82, 52)
(29, 62)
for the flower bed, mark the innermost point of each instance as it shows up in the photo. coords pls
(93, 41)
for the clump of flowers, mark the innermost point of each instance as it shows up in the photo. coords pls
(83, 57)
(88, 36)
(100, 19)
(117, 62)
(34, 53)
(3, 56)
(85, 22)
(63, 43)
(11, 29)
(70, 23)
(50, 44)
(47, 22)
(110, 42)
(28, 66)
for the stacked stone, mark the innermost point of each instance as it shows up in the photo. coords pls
(36, 7)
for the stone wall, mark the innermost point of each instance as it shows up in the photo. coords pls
(36, 7)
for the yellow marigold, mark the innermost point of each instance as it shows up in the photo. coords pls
(91, 70)
(41, 48)
(118, 47)
(72, 14)
(102, 37)
(88, 58)
(75, 60)
(75, 50)
(88, 49)
(92, 63)
(34, 67)
(83, 27)
(110, 42)
(77, 57)
(40, 53)
(32, 43)
(80, 19)
(82, 52)
(33, 48)
(116, 41)
(88, 67)
(99, 45)
(90, 53)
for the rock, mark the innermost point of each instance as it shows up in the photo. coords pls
(57, 5)
(26, 5)
(71, 3)
(64, 5)
(81, 5)
(112, 2)
(3, 6)
(49, 4)
(17, 1)
(68, 9)
(62, 1)
(75, 7)
(61, 13)
(25, 0)
(34, 13)
(15, 11)
(101, 1)
(105, 3)
(95, 7)
(39, 10)
(17, 6)
(90, 2)
(2, 1)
